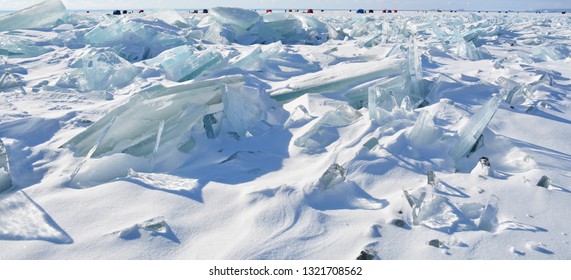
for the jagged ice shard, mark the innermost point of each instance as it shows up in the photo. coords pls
(236, 16)
(100, 71)
(488, 218)
(335, 78)
(5, 179)
(471, 132)
(324, 131)
(136, 39)
(184, 63)
(135, 129)
(41, 15)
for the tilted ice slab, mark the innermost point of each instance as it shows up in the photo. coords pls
(137, 123)
(100, 71)
(335, 78)
(324, 131)
(236, 16)
(184, 63)
(5, 179)
(135, 38)
(13, 47)
(41, 15)
(470, 133)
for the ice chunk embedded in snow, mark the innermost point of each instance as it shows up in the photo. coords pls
(184, 63)
(334, 175)
(424, 132)
(244, 110)
(324, 131)
(5, 179)
(41, 15)
(298, 117)
(335, 78)
(13, 47)
(136, 39)
(471, 132)
(134, 131)
(544, 182)
(488, 218)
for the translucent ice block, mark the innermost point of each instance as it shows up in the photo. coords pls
(335, 78)
(546, 53)
(13, 47)
(381, 103)
(182, 63)
(488, 218)
(424, 131)
(471, 132)
(5, 179)
(8, 80)
(41, 15)
(135, 128)
(135, 39)
(105, 70)
(243, 110)
(324, 131)
(236, 16)
(334, 175)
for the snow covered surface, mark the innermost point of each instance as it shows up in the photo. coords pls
(178, 136)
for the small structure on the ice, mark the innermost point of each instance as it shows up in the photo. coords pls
(5, 179)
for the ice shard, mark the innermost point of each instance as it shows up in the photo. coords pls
(244, 110)
(256, 57)
(335, 78)
(300, 116)
(416, 205)
(136, 39)
(183, 63)
(424, 132)
(41, 15)
(236, 16)
(471, 132)
(488, 218)
(469, 51)
(371, 143)
(324, 131)
(546, 53)
(94, 148)
(544, 182)
(13, 47)
(105, 70)
(333, 176)
(5, 179)
(9, 80)
(134, 131)
(381, 103)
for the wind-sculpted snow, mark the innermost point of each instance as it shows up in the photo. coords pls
(237, 134)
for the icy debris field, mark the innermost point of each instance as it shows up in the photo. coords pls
(242, 135)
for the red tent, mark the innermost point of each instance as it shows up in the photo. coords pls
(310, 11)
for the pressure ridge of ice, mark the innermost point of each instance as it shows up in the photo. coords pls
(289, 130)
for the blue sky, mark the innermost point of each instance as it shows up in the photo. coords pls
(316, 4)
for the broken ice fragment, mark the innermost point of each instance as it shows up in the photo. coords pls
(431, 177)
(9, 80)
(544, 182)
(324, 131)
(416, 205)
(399, 223)
(472, 131)
(371, 143)
(298, 117)
(436, 243)
(180, 107)
(381, 103)
(546, 53)
(155, 225)
(338, 77)
(209, 120)
(181, 64)
(94, 148)
(236, 16)
(367, 254)
(41, 15)
(488, 218)
(5, 179)
(424, 132)
(334, 175)
(243, 110)
(159, 134)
